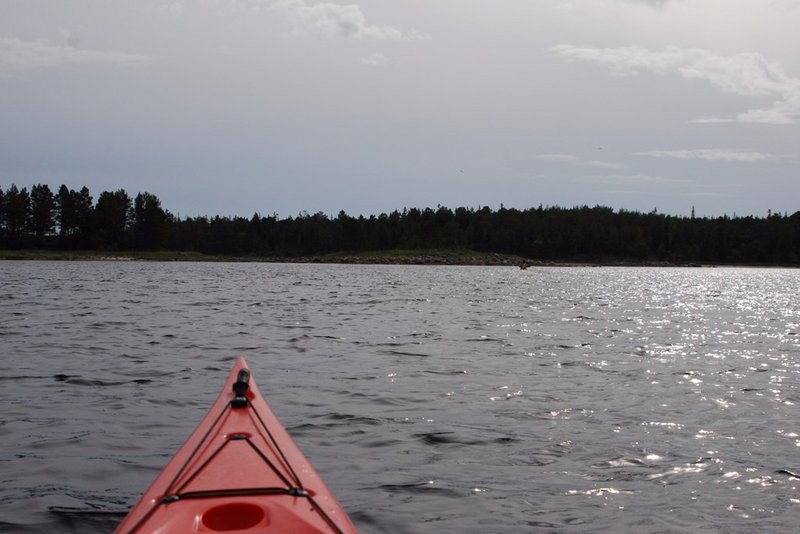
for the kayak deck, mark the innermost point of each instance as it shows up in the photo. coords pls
(239, 471)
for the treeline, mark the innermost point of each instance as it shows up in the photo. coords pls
(69, 219)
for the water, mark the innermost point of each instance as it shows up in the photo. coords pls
(431, 399)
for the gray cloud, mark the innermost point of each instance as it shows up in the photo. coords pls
(17, 55)
(336, 20)
(745, 74)
(374, 60)
(578, 4)
(170, 8)
(714, 155)
(634, 179)
(657, 4)
(575, 160)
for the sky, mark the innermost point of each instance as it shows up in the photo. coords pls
(236, 107)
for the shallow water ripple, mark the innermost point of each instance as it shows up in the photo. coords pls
(430, 398)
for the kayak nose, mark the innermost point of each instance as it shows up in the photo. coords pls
(239, 472)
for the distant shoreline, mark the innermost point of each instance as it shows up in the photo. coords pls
(392, 257)
(400, 257)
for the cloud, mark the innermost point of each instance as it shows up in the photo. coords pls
(634, 179)
(16, 55)
(657, 4)
(170, 8)
(575, 160)
(336, 20)
(566, 158)
(576, 4)
(71, 38)
(374, 60)
(785, 111)
(745, 74)
(713, 155)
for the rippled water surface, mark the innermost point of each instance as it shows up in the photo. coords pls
(431, 399)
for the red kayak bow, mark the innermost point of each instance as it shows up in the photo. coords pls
(239, 472)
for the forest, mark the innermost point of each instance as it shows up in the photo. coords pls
(38, 218)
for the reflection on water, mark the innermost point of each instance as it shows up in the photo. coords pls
(430, 398)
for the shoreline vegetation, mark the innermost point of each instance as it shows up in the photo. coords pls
(455, 257)
(70, 224)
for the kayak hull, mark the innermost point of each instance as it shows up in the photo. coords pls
(239, 472)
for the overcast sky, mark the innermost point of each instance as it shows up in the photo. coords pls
(230, 107)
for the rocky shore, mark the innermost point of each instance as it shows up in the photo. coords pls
(398, 257)
(420, 257)
(410, 259)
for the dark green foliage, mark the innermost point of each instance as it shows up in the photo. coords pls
(547, 233)
(580, 234)
(2, 214)
(43, 210)
(17, 208)
(149, 222)
(66, 212)
(84, 217)
(113, 217)
(75, 217)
